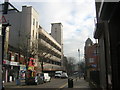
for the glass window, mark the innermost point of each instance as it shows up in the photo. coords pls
(33, 33)
(33, 21)
(36, 24)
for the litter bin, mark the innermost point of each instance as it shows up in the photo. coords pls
(70, 83)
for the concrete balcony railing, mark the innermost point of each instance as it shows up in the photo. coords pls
(51, 67)
(49, 47)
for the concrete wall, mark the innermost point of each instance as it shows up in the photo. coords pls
(28, 29)
(102, 62)
(22, 26)
(57, 32)
(14, 19)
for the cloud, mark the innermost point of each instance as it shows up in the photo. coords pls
(77, 17)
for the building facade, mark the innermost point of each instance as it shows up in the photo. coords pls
(107, 32)
(49, 52)
(29, 46)
(91, 60)
(57, 34)
(22, 34)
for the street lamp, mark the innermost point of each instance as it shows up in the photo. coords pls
(79, 54)
(79, 61)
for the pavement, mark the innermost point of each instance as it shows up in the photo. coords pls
(80, 83)
(13, 84)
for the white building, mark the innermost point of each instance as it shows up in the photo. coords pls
(24, 27)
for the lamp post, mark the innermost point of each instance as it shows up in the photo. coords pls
(79, 61)
(79, 54)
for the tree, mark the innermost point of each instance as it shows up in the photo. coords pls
(82, 66)
(71, 65)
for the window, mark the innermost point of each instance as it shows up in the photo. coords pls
(33, 21)
(55, 30)
(39, 36)
(36, 24)
(36, 35)
(33, 33)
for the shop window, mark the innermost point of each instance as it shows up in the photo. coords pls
(16, 58)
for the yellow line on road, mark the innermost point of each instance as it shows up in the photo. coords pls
(63, 85)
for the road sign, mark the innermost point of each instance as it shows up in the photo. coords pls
(3, 20)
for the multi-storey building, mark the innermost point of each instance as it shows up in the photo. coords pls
(49, 51)
(57, 34)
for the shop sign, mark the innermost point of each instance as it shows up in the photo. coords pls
(14, 63)
(6, 62)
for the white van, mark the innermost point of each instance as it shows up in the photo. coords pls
(61, 74)
(58, 74)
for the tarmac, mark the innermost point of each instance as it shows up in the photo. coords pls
(78, 83)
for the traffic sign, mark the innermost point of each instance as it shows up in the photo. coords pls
(3, 20)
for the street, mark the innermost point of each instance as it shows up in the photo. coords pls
(54, 83)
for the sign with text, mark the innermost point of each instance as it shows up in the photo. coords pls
(14, 63)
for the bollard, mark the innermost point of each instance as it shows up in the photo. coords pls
(70, 83)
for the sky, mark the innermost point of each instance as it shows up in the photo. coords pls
(76, 16)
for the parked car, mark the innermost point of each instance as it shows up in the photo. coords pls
(45, 77)
(34, 80)
(64, 75)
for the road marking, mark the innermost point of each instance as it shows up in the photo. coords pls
(63, 85)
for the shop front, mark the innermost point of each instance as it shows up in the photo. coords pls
(14, 71)
(6, 70)
(22, 72)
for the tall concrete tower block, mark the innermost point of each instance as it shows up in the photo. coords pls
(57, 32)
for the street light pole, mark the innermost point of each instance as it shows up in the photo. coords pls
(79, 54)
(79, 61)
